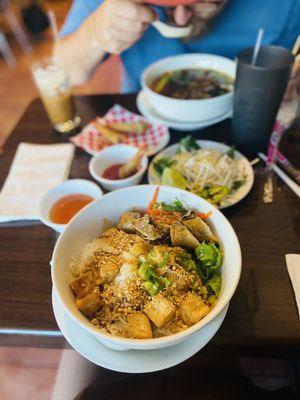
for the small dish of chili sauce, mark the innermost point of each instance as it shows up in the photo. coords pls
(112, 172)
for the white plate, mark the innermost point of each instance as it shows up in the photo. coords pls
(147, 111)
(131, 361)
(238, 195)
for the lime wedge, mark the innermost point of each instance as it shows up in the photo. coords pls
(171, 177)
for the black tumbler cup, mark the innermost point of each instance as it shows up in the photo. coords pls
(259, 90)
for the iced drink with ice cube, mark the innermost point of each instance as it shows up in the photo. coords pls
(52, 81)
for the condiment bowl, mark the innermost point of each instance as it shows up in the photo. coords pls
(116, 154)
(187, 110)
(89, 223)
(71, 186)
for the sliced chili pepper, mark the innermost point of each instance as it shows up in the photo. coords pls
(204, 215)
(154, 200)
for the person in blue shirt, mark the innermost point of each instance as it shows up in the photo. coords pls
(96, 28)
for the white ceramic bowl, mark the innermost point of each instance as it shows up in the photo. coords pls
(71, 186)
(87, 225)
(116, 154)
(188, 110)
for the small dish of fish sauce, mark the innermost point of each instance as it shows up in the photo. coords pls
(64, 209)
(58, 206)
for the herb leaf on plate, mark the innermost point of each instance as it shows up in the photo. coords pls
(188, 144)
(237, 184)
(231, 152)
(161, 164)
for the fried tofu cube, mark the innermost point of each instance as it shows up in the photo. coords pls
(140, 248)
(89, 304)
(160, 310)
(139, 326)
(193, 309)
(83, 285)
(108, 272)
(105, 244)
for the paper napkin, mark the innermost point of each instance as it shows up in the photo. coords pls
(35, 170)
(152, 141)
(293, 266)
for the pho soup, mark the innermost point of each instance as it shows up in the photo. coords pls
(192, 84)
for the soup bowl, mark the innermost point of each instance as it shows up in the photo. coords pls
(88, 224)
(189, 110)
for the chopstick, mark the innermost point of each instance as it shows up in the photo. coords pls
(255, 161)
(296, 53)
(286, 179)
(296, 46)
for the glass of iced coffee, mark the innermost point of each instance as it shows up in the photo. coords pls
(52, 81)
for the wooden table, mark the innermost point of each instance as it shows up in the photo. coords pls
(262, 318)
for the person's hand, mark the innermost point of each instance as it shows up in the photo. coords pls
(118, 24)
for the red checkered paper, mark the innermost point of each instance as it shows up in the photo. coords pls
(152, 141)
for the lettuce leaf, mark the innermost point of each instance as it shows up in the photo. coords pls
(210, 257)
(209, 265)
(215, 283)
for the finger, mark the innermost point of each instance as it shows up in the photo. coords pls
(118, 46)
(127, 24)
(126, 36)
(133, 11)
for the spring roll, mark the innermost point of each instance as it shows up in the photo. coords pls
(111, 135)
(131, 167)
(130, 127)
